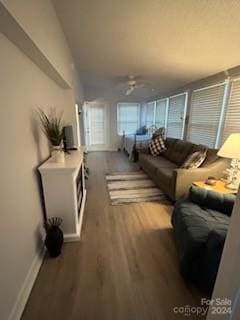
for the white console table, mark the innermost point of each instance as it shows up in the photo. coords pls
(65, 193)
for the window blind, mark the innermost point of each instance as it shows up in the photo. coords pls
(205, 113)
(143, 113)
(150, 114)
(176, 116)
(232, 116)
(128, 117)
(161, 112)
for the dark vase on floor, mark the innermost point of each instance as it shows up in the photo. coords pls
(54, 237)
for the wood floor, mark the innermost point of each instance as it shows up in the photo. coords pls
(124, 267)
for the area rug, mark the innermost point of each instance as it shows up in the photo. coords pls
(129, 187)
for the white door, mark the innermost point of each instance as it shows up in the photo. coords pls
(96, 127)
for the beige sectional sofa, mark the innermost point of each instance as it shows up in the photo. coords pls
(166, 172)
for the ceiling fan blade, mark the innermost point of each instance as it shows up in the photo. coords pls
(141, 85)
(129, 91)
(125, 78)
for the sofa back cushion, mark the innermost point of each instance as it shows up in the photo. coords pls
(212, 200)
(211, 157)
(178, 150)
(169, 143)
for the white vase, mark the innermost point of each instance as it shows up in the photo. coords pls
(57, 154)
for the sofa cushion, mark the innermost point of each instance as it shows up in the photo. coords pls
(169, 142)
(212, 200)
(164, 175)
(151, 164)
(179, 152)
(198, 147)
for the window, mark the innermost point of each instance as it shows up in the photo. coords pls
(176, 116)
(154, 113)
(143, 113)
(232, 117)
(150, 114)
(161, 113)
(205, 115)
(128, 117)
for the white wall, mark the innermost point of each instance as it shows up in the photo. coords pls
(24, 87)
(39, 20)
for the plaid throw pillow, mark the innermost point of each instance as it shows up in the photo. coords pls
(194, 160)
(157, 146)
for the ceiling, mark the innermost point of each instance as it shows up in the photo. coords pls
(168, 42)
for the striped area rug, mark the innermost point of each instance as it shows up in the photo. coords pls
(129, 187)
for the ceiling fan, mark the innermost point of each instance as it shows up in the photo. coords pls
(132, 85)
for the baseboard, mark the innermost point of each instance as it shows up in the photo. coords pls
(27, 286)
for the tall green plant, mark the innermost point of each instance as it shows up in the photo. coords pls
(52, 125)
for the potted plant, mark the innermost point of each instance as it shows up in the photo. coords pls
(52, 125)
(54, 236)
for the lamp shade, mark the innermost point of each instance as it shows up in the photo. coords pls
(231, 147)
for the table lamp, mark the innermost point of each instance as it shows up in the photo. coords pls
(231, 149)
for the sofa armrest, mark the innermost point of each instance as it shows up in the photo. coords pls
(216, 240)
(183, 178)
(212, 257)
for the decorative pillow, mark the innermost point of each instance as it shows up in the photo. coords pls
(157, 146)
(141, 131)
(195, 160)
(158, 132)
